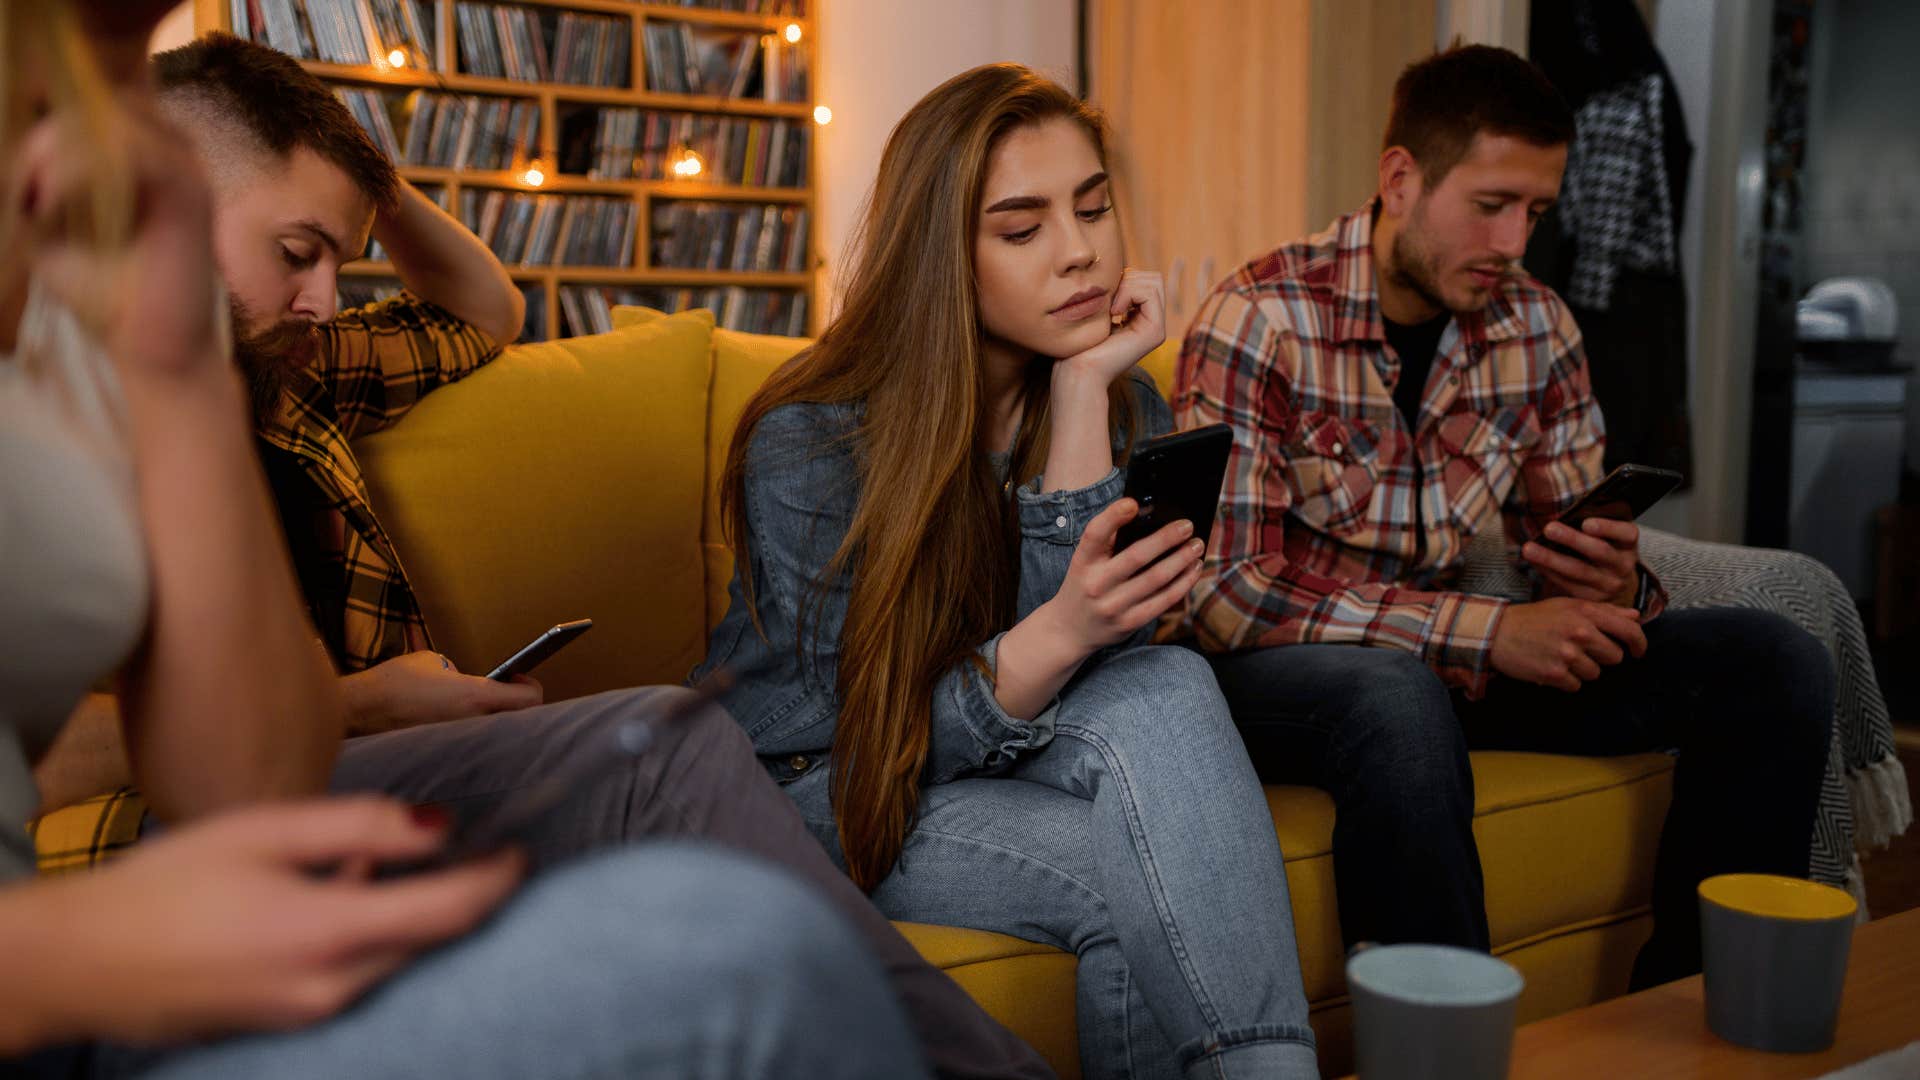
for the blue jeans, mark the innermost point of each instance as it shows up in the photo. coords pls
(662, 961)
(1138, 839)
(1744, 697)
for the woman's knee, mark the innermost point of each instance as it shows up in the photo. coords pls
(705, 909)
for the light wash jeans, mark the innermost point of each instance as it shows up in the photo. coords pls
(663, 960)
(1138, 839)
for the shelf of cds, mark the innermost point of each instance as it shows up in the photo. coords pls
(607, 151)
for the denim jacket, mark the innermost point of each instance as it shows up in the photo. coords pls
(802, 488)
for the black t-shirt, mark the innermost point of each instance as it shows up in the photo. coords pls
(303, 513)
(1416, 345)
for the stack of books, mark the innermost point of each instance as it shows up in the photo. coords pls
(729, 236)
(340, 31)
(621, 144)
(797, 8)
(499, 41)
(588, 309)
(447, 131)
(720, 62)
(534, 328)
(547, 230)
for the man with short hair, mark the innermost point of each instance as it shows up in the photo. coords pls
(1397, 384)
(297, 190)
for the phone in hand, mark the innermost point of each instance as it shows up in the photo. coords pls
(535, 652)
(1623, 495)
(1176, 476)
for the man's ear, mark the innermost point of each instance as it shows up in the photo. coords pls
(1400, 182)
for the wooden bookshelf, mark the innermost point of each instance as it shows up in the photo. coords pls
(555, 99)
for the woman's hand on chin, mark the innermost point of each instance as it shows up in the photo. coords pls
(1140, 303)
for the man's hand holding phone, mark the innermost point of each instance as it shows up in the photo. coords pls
(1603, 564)
(425, 688)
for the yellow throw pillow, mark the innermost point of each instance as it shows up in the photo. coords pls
(564, 480)
(741, 362)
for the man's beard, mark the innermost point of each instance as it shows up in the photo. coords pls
(1414, 267)
(269, 357)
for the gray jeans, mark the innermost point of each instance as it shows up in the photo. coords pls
(701, 781)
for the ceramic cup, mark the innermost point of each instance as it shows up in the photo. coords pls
(1775, 954)
(1432, 1012)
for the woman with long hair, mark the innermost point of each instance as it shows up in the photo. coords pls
(938, 649)
(254, 938)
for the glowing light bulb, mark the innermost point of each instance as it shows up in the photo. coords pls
(397, 58)
(534, 176)
(792, 33)
(822, 115)
(688, 165)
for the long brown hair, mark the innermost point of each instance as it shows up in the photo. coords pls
(933, 530)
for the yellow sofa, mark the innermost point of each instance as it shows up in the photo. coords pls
(575, 478)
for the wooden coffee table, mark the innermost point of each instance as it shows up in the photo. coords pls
(1662, 1032)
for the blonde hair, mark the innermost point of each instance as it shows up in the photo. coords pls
(46, 37)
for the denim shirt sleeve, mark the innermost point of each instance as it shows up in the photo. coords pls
(1051, 523)
(802, 490)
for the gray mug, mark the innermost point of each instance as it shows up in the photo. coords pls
(1774, 951)
(1432, 1012)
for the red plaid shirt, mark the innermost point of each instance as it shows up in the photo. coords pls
(1317, 538)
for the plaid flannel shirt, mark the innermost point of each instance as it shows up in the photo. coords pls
(374, 364)
(1317, 538)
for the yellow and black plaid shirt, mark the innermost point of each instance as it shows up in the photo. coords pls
(374, 364)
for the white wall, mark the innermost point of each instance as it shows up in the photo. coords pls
(878, 57)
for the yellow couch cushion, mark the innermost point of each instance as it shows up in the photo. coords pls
(1566, 848)
(1027, 987)
(1564, 842)
(741, 362)
(508, 522)
(1159, 364)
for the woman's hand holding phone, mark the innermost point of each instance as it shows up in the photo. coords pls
(243, 921)
(1109, 594)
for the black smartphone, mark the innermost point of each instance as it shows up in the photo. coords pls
(536, 652)
(1623, 495)
(1177, 476)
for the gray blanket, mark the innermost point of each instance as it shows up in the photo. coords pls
(1864, 802)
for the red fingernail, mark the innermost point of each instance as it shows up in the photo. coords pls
(431, 816)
